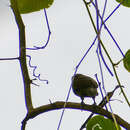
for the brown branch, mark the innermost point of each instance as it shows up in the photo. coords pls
(22, 55)
(71, 105)
(101, 104)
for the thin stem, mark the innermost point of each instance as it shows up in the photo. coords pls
(103, 23)
(49, 34)
(62, 114)
(106, 53)
(17, 58)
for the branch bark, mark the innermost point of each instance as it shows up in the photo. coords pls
(71, 105)
(22, 55)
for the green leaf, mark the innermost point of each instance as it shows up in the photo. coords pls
(124, 2)
(28, 6)
(101, 123)
(126, 61)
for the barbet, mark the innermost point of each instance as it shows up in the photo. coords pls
(84, 86)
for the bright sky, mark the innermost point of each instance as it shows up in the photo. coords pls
(72, 34)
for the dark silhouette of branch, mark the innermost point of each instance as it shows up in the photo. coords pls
(101, 104)
(16, 58)
(71, 105)
(22, 55)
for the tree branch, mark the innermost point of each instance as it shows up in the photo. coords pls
(22, 55)
(101, 104)
(71, 105)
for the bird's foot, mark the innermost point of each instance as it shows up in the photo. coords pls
(82, 105)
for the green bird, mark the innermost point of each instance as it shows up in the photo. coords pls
(84, 86)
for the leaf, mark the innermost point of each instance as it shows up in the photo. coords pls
(126, 61)
(124, 3)
(101, 123)
(28, 6)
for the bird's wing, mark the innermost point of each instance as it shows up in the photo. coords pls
(88, 82)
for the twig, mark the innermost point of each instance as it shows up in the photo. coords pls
(101, 104)
(117, 78)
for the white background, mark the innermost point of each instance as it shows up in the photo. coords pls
(72, 34)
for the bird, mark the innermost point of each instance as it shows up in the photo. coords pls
(84, 86)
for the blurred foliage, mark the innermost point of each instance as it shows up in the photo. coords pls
(126, 61)
(124, 2)
(100, 123)
(29, 6)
